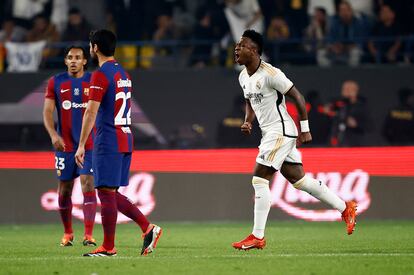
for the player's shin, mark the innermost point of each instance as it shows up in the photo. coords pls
(89, 211)
(262, 204)
(320, 191)
(65, 210)
(131, 211)
(109, 213)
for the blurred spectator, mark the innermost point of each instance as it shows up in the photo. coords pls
(201, 54)
(11, 32)
(127, 18)
(128, 23)
(78, 28)
(399, 124)
(346, 30)
(327, 5)
(25, 10)
(387, 48)
(362, 8)
(350, 123)
(165, 32)
(228, 131)
(59, 14)
(270, 9)
(94, 11)
(317, 30)
(184, 14)
(43, 30)
(242, 15)
(297, 16)
(404, 10)
(277, 32)
(278, 29)
(320, 120)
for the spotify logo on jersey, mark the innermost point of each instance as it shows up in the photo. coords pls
(66, 104)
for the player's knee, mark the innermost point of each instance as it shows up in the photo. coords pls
(264, 172)
(293, 173)
(65, 188)
(87, 183)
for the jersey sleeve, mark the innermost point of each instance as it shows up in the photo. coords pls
(280, 82)
(241, 82)
(50, 89)
(98, 86)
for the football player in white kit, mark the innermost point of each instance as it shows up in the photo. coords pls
(265, 88)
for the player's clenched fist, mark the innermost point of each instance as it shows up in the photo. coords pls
(246, 128)
(305, 137)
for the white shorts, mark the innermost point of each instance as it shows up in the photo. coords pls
(275, 149)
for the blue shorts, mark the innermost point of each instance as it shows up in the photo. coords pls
(111, 169)
(66, 167)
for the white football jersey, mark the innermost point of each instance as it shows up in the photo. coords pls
(265, 90)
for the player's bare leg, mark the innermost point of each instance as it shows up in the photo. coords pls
(262, 203)
(65, 210)
(89, 209)
(294, 174)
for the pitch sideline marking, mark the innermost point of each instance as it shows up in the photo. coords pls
(222, 256)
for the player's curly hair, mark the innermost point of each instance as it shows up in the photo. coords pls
(256, 37)
(105, 40)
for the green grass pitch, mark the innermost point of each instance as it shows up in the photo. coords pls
(205, 248)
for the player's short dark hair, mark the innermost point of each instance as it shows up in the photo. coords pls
(105, 40)
(84, 53)
(256, 37)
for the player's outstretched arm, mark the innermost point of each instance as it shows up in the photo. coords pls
(297, 98)
(48, 109)
(246, 127)
(87, 124)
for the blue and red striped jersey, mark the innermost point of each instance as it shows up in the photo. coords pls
(71, 98)
(111, 85)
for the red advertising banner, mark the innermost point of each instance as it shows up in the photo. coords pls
(360, 174)
(376, 161)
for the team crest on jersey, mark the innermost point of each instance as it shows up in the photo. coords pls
(258, 85)
(86, 91)
(76, 91)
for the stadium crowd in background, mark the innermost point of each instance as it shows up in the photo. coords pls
(297, 31)
(171, 33)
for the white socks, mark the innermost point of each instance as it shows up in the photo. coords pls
(262, 204)
(320, 191)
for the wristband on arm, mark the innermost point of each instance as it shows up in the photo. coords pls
(304, 126)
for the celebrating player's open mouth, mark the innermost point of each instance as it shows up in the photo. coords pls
(236, 56)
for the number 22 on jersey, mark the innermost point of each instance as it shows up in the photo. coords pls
(121, 118)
